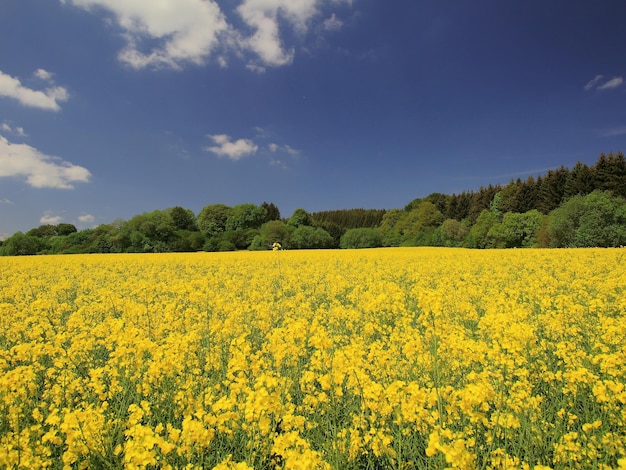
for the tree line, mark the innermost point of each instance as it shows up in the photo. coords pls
(579, 207)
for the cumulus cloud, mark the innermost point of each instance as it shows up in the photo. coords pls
(86, 218)
(49, 219)
(225, 147)
(185, 30)
(39, 169)
(11, 87)
(597, 83)
(263, 17)
(43, 75)
(190, 31)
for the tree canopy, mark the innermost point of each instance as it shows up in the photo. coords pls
(581, 207)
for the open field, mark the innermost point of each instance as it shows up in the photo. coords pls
(387, 358)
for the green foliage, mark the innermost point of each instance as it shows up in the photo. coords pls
(20, 244)
(240, 239)
(299, 217)
(580, 181)
(245, 216)
(516, 230)
(478, 236)
(336, 231)
(349, 218)
(453, 233)
(597, 219)
(276, 231)
(362, 238)
(183, 219)
(307, 237)
(272, 212)
(65, 229)
(415, 223)
(186, 241)
(43, 231)
(611, 173)
(258, 244)
(149, 232)
(212, 219)
(579, 207)
(552, 190)
(439, 200)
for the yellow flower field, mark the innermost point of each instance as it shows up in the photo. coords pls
(387, 358)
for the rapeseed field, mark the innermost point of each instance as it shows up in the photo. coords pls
(343, 359)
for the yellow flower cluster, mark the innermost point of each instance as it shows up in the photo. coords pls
(387, 358)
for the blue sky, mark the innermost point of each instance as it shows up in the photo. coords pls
(111, 108)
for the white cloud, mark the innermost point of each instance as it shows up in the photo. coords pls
(333, 23)
(186, 30)
(6, 201)
(613, 83)
(273, 147)
(17, 131)
(263, 17)
(86, 218)
(40, 170)
(49, 219)
(292, 151)
(233, 150)
(43, 75)
(607, 85)
(593, 82)
(49, 99)
(255, 68)
(190, 31)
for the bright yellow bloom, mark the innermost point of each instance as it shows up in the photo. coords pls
(367, 358)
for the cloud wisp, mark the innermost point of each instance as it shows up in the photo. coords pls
(599, 83)
(19, 131)
(273, 147)
(39, 169)
(615, 131)
(48, 99)
(192, 31)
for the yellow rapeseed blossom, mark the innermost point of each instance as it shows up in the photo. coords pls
(344, 359)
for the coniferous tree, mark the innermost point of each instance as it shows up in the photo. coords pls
(509, 197)
(481, 200)
(527, 195)
(272, 211)
(581, 180)
(552, 190)
(611, 173)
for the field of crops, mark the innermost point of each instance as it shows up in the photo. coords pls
(387, 358)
